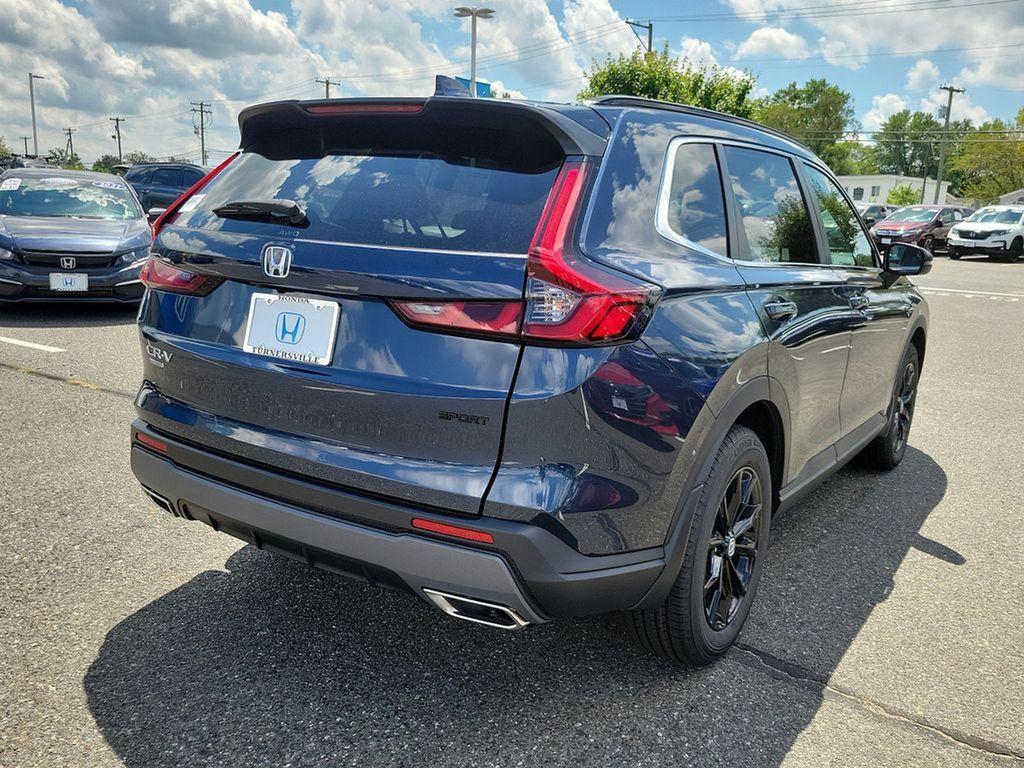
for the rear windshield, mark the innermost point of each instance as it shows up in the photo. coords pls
(412, 201)
(67, 197)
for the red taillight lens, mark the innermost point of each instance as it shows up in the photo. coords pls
(452, 530)
(569, 299)
(172, 210)
(151, 442)
(163, 276)
(479, 318)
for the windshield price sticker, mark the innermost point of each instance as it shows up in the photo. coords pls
(60, 181)
(8, 185)
(108, 185)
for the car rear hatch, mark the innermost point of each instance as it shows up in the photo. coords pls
(343, 299)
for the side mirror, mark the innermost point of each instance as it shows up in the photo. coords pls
(155, 213)
(907, 259)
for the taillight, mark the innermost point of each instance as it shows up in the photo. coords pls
(164, 276)
(478, 318)
(570, 300)
(167, 216)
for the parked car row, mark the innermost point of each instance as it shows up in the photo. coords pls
(996, 231)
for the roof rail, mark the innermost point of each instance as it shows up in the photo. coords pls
(642, 102)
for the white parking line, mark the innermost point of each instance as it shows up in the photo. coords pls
(30, 345)
(976, 293)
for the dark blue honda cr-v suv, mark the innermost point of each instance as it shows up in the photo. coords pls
(523, 360)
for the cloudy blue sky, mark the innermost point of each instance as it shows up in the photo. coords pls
(146, 59)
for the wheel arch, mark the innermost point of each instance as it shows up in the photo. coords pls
(760, 405)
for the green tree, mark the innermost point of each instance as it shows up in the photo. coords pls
(992, 164)
(5, 151)
(817, 113)
(907, 143)
(61, 158)
(105, 164)
(661, 76)
(131, 158)
(903, 194)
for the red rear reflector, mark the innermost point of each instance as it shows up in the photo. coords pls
(479, 318)
(452, 530)
(163, 276)
(172, 210)
(363, 109)
(568, 298)
(151, 442)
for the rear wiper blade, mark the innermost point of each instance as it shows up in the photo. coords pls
(258, 209)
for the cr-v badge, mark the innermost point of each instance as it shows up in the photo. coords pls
(277, 260)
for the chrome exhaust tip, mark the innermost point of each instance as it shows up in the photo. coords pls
(476, 611)
(160, 501)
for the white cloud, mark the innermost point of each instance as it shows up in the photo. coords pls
(697, 51)
(773, 42)
(882, 108)
(924, 74)
(963, 108)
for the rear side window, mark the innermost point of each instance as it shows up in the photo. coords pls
(410, 201)
(775, 219)
(847, 243)
(692, 205)
(190, 177)
(138, 175)
(167, 177)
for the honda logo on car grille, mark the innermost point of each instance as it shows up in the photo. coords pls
(67, 262)
(277, 260)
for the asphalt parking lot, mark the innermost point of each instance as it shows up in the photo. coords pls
(888, 631)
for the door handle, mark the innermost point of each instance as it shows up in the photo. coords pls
(779, 308)
(860, 302)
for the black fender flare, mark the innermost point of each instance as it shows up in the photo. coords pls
(712, 429)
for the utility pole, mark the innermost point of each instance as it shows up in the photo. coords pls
(649, 26)
(32, 100)
(117, 135)
(474, 13)
(950, 89)
(71, 142)
(327, 85)
(204, 111)
(25, 139)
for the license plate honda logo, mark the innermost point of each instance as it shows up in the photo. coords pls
(277, 260)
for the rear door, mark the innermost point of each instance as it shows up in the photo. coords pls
(400, 210)
(797, 296)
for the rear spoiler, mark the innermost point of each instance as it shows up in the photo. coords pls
(261, 124)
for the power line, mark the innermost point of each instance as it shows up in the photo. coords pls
(649, 26)
(876, 7)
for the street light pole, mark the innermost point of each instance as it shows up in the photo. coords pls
(32, 101)
(473, 13)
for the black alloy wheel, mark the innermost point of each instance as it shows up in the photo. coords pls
(732, 549)
(903, 406)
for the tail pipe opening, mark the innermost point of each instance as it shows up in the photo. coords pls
(476, 611)
(160, 501)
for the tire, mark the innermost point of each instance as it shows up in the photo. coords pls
(955, 255)
(929, 244)
(886, 451)
(692, 628)
(1017, 249)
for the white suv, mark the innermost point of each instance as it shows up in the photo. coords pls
(996, 231)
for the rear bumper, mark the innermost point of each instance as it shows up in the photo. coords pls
(19, 283)
(527, 569)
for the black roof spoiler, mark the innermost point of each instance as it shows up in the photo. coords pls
(574, 138)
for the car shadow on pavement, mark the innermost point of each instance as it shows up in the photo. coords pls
(71, 315)
(267, 663)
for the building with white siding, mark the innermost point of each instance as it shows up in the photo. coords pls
(875, 188)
